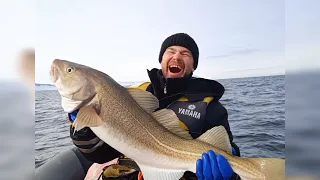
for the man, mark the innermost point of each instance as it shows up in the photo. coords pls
(194, 100)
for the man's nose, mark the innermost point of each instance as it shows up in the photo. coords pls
(177, 56)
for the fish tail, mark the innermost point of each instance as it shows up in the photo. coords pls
(269, 168)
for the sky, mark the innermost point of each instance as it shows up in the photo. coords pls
(17, 31)
(123, 39)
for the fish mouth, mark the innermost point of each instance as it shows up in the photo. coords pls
(53, 73)
(68, 95)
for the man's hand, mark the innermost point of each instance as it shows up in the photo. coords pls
(213, 167)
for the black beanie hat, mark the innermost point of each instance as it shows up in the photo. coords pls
(184, 40)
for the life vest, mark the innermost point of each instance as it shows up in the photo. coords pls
(190, 110)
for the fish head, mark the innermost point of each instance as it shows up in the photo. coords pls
(73, 83)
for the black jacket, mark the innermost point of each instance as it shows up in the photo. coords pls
(193, 88)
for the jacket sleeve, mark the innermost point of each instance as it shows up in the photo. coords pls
(217, 115)
(92, 148)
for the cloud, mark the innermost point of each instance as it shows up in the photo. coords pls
(259, 63)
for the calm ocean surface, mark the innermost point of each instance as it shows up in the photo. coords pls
(256, 109)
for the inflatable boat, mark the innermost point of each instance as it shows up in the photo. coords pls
(68, 165)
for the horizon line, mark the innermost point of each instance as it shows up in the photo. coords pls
(270, 75)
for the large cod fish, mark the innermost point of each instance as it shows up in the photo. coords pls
(125, 118)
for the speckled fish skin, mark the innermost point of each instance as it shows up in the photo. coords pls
(121, 118)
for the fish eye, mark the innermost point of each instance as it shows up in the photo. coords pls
(70, 69)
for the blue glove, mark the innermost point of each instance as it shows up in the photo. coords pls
(73, 115)
(213, 167)
(234, 152)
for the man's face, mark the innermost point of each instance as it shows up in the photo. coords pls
(177, 62)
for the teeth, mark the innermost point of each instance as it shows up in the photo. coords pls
(175, 66)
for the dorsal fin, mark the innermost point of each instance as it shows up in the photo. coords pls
(145, 99)
(169, 120)
(218, 137)
(165, 117)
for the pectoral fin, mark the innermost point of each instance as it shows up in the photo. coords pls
(218, 137)
(169, 120)
(87, 117)
(152, 173)
(165, 117)
(145, 99)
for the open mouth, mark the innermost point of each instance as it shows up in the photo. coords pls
(175, 69)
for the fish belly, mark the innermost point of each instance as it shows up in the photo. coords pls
(142, 156)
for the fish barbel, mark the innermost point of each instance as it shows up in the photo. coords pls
(125, 118)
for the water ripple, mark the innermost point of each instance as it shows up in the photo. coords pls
(255, 107)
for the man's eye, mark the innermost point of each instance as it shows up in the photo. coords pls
(170, 52)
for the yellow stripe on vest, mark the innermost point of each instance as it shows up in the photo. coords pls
(181, 124)
(183, 99)
(142, 86)
(208, 99)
